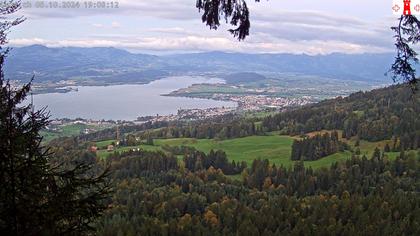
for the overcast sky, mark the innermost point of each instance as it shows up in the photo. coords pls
(171, 26)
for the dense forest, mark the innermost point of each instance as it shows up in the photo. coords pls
(224, 129)
(376, 115)
(367, 196)
(196, 160)
(223, 126)
(314, 148)
(155, 194)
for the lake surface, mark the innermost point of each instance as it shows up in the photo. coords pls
(126, 102)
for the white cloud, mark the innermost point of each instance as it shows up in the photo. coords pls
(96, 25)
(112, 25)
(115, 24)
(175, 25)
(171, 30)
(311, 25)
(194, 43)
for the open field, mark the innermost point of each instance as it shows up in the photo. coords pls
(104, 144)
(66, 131)
(103, 153)
(274, 148)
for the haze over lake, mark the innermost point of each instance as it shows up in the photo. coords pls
(126, 102)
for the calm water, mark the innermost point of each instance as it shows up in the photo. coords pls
(125, 102)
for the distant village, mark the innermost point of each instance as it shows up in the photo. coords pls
(260, 102)
(245, 103)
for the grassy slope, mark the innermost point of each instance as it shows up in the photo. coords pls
(103, 153)
(104, 144)
(65, 131)
(274, 148)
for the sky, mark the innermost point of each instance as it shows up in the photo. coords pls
(174, 26)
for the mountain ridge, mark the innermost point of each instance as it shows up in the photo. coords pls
(109, 63)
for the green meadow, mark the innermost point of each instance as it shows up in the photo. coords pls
(65, 131)
(275, 148)
(103, 153)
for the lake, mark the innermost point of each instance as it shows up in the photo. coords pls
(126, 102)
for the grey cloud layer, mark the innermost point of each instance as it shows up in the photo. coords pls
(304, 25)
(272, 30)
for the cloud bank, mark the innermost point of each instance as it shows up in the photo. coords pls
(175, 25)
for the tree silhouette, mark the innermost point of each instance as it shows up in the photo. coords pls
(36, 196)
(407, 34)
(234, 12)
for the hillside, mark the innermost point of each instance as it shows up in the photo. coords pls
(116, 65)
(380, 114)
(104, 64)
(364, 67)
(244, 77)
(169, 177)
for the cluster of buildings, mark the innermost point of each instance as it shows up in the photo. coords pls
(245, 103)
(258, 102)
(90, 126)
(193, 114)
(198, 114)
(80, 121)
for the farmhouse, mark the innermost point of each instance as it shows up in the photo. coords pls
(110, 148)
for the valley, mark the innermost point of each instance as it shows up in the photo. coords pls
(130, 118)
(272, 74)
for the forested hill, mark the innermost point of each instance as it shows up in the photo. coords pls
(376, 115)
(116, 65)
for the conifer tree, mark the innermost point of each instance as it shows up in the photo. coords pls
(36, 196)
(376, 154)
(387, 148)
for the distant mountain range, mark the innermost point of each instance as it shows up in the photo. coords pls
(116, 65)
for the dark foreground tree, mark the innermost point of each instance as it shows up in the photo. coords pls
(407, 34)
(37, 197)
(233, 12)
